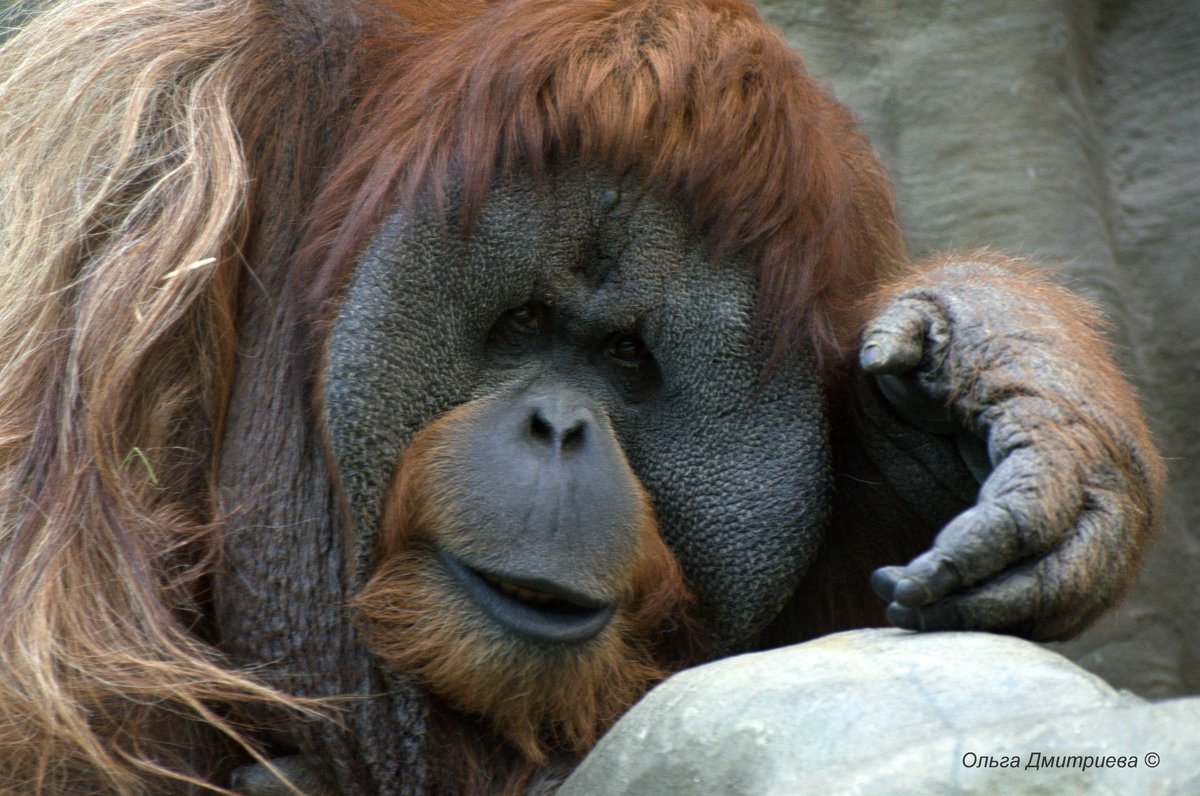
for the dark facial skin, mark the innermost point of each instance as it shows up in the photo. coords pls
(545, 513)
(598, 299)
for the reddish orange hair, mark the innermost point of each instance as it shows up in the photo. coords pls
(699, 99)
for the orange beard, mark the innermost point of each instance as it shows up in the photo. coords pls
(539, 696)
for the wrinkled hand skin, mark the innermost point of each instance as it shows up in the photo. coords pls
(1071, 483)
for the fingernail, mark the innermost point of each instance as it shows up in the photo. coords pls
(870, 356)
(883, 583)
(910, 593)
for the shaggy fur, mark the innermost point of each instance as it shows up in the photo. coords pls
(124, 189)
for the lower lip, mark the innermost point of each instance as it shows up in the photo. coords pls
(572, 626)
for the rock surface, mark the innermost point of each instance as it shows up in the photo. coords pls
(886, 711)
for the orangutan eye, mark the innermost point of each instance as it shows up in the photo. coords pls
(528, 318)
(627, 349)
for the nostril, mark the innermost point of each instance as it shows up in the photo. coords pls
(574, 437)
(540, 429)
(557, 431)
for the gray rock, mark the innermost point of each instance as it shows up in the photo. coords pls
(886, 711)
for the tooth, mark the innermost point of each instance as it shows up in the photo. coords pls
(529, 596)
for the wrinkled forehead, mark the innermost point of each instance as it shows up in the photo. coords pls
(603, 250)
